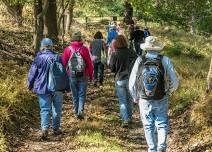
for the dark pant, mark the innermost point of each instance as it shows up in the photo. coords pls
(98, 71)
(137, 48)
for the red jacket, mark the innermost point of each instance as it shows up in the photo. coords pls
(85, 55)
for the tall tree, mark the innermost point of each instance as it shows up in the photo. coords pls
(50, 21)
(70, 14)
(128, 14)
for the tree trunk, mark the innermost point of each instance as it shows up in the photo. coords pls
(193, 24)
(38, 33)
(128, 14)
(69, 16)
(50, 22)
(15, 11)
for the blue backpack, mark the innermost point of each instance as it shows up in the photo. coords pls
(150, 83)
(57, 77)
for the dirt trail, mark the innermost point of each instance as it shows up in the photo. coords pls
(102, 117)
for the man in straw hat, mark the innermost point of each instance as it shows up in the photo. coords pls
(151, 82)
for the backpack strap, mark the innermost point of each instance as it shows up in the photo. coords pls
(73, 50)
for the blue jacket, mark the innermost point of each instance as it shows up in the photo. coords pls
(171, 80)
(38, 73)
(112, 34)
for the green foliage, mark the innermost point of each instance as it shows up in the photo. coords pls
(17, 105)
(99, 8)
(16, 2)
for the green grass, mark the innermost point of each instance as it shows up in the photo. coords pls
(99, 142)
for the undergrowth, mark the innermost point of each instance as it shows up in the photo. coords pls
(17, 104)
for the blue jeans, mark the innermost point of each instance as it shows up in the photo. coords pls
(154, 116)
(125, 100)
(78, 87)
(50, 103)
(98, 71)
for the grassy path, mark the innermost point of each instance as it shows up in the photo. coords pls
(100, 131)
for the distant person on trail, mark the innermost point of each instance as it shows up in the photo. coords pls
(112, 34)
(97, 49)
(209, 79)
(146, 32)
(137, 37)
(131, 29)
(119, 64)
(38, 82)
(110, 51)
(79, 65)
(151, 82)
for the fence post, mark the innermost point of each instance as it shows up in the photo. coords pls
(86, 22)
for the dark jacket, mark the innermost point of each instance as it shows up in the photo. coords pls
(38, 73)
(137, 36)
(120, 63)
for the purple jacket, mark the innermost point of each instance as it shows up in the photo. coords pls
(38, 73)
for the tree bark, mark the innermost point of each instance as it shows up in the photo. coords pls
(38, 19)
(128, 14)
(193, 23)
(50, 22)
(40, 8)
(70, 15)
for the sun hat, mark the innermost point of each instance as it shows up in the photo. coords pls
(152, 44)
(46, 42)
(76, 36)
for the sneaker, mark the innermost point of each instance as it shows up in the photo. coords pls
(44, 134)
(125, 124)
(161, 150)
(101, 83)
(57, 132)
(80, 116)
(95, 84)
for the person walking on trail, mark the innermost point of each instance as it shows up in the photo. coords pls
(79, 65)
(119, 64)
(49, 101)
(112, 34)
(209, 79)
(152, 80)
(97, 49)
(137, 37)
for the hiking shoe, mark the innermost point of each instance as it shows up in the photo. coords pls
(161, 150)
(95, 84)
(80, 116)
(57, 132)
(101, 83)
(125, 124)
(44, 134)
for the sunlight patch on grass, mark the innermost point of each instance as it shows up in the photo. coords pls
(99, 142)
(2, 142)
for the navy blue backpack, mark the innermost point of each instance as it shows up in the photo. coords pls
(57, 77)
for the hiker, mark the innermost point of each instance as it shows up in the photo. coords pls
(97, 49)
(131, 29)
(77, 59)
(49, 101)
(112, 34)
(146, 32)
(110, 51)
(209, 79)
(119, 64)
(137, 37)
(152, 81)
